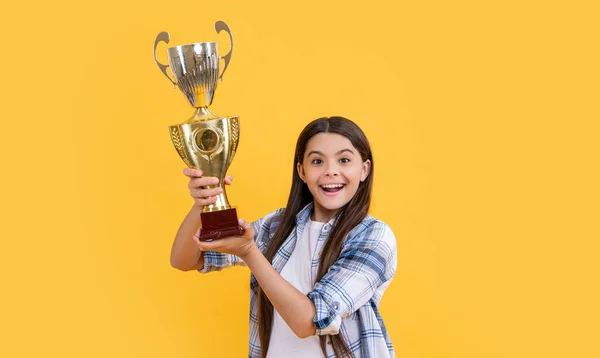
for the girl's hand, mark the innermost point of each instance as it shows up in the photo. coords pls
(198, 183)
(235, 245)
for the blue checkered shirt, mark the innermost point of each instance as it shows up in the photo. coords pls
(347, 298)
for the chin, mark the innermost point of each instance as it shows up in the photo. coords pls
(333, 206)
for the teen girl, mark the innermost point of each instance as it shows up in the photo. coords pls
(319, 266)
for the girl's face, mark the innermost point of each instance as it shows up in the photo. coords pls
(332, 168)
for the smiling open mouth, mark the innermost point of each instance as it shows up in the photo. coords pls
(332, 188)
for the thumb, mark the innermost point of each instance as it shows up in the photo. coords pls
(248, 230)
(206, 245)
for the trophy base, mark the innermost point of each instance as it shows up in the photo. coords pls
(219, 224)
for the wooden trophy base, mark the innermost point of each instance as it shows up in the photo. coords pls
(218, 224)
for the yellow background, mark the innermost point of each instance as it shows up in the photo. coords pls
(483, 117)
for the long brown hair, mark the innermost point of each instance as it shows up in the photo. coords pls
(347, 218)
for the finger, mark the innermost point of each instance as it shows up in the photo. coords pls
(206, 202)
(196, 183)
(192, 173)
(228, 179)
(243, 223)
(248, 230)
(205, 193)
(207, 245)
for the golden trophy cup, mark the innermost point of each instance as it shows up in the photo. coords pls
(206, 141)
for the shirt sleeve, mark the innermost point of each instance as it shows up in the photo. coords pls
(217, 261)
(364, 269)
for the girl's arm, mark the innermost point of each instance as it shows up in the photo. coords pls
(296, 309)
(185, 254)
(364, 269)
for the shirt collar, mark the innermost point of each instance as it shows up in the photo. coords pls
(304, 215)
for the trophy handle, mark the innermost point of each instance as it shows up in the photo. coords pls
(219, 26)
(163, 36)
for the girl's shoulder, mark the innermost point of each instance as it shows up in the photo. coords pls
(265, 228)
(269, 222)
(373, 230)
(274, 216)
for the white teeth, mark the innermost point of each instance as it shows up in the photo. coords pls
(332, 186)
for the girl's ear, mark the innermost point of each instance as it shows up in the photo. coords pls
(366, 170)
(301, 172)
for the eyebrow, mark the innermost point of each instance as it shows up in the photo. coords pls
(338, 153)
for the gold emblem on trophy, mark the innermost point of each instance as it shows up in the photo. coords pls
(206, 141)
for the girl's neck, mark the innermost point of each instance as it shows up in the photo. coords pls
(322, 215)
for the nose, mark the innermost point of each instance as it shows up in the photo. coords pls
(332, 171)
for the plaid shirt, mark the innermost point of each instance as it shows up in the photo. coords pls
(347, 297)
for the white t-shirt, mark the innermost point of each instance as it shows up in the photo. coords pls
(297, 271)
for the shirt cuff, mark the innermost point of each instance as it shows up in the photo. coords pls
(332, 329)
(215, 261)
(328, 318)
